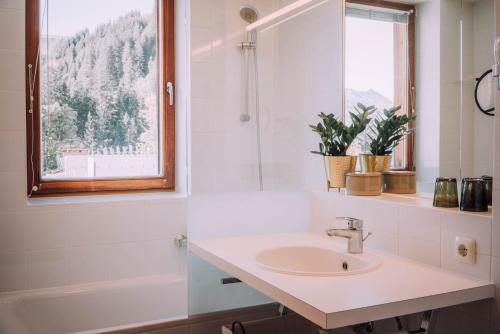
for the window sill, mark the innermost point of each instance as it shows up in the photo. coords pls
(422, 200)
(102, 199)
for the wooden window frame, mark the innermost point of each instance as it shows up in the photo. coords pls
(36, 186)
(410, 140)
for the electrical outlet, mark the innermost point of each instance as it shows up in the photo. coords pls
(465, 250)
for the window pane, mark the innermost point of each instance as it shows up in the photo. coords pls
(99, 89)
(376, 67)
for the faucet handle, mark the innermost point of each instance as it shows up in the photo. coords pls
(352, 223)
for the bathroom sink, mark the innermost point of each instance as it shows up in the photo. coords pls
(315, 261)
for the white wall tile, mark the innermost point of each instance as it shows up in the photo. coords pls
(164, 220)
(127, 260)
(12, 229)
(422, 250)
(323, 211)
(378, 217)
(48, 268)
(480, 269)
(12, 4)
(201, 14)
(11, 70)
(387, 242)
(90, 226)
(11, 29)
(12, 111)
(477, 227)
(127, 222)
(13, 195)
(381, 217)
(201, 45)
(46, 230)
(89, 264)
(162, 257)
(201, 80)
(13, 269)
(13, 149)
(420, 223)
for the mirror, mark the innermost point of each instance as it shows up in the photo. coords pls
(433, 58)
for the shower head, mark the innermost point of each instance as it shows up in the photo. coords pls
(249, 14)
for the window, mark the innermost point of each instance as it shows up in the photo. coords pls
(379, 65)
(99, 115)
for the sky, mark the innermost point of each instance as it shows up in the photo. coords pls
(88, 13)
(369, 56)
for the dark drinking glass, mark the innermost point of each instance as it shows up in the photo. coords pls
(473, 195)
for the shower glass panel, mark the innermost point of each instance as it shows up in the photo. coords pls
(253, 96)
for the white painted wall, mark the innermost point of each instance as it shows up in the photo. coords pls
(78, 240)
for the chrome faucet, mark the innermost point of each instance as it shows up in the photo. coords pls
(353, 233)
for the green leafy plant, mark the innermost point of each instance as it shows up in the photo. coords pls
(387, 131)
(336, 137)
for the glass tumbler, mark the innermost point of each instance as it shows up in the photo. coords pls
(474, 196)
(446, 192)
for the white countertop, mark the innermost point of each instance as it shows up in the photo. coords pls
(399, 286)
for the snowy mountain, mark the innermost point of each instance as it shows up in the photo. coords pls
(368, 98)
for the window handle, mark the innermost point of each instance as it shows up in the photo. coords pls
(170, 92)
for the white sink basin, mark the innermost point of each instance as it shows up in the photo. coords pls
(315, 261)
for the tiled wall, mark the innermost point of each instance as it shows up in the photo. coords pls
(224, 148)
(415, 230)
(89, 240)
(300, 75)
(408, 229)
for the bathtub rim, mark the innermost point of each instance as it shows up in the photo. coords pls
(65, 290)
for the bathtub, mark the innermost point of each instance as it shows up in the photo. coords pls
(96, 307)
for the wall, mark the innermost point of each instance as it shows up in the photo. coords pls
(223, 148)
(495, 259)
(45, 243)
(412, 228)
(300, 75)
(308, 80)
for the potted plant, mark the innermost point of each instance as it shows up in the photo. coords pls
(385, 133)
(336, 137)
